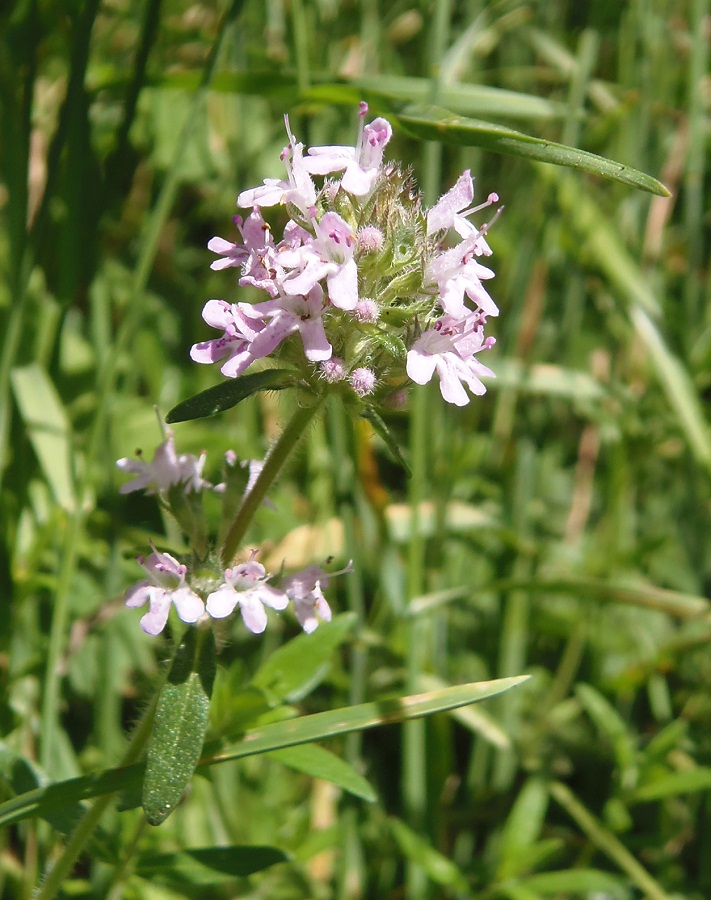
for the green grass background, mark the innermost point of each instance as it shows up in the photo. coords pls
(558, 527)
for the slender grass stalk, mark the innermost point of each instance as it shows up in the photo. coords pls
(301, 44)
(606, 841)
(696, 163)
(414, 768)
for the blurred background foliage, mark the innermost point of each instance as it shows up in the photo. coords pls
(558, 526)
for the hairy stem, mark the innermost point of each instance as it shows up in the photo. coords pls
(276, 458)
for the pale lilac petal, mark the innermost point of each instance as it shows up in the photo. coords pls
(220, 245)
(358, 181)
(270, 193)
(221, 603)
(271, 597)
(450, 384)
(343, 286)
(154, 620)
(138, 594)
(443, 214)
(316, 345)
(304, 281)
(306, 615)
(324, 160)
(253, 613)
(420, 366)
(189, 606)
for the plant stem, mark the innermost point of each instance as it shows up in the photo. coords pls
(276, 458)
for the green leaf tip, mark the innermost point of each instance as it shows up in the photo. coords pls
(435, 123)
(229, 393)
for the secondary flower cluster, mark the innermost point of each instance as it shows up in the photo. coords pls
(244, 585)
(365, 288)
(212, 591)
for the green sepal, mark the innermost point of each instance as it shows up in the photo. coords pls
(180, 724)
(229, 393)
(382, 429)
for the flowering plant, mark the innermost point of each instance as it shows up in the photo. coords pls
(367, 292)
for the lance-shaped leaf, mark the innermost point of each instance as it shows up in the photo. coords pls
(180, 725)
(382, 429)
(436, 124)
(229, 393)
(274, 736)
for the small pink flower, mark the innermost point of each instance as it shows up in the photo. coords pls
(370, 239)
(165, 585)
(166, 469)
(298, 188)
(457, 274)
(449, 349)
(452, 209)
(246, 586)
(240, 331)
(329, 255)
(293, 314)
(305, 589)
(360, 164)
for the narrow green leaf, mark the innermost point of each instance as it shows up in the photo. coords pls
(386, 711)
(48, 429)
(436, 124)
(298, 666)
(607, 842)
(229, 393)
(673, 784)
(180, 725)
(384, 432)
(439, 868)
(574, 881)
(466, 99)
(321, 763)
(208, 865)
(523, 827)
(270, 737)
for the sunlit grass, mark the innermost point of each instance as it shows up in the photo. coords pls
(556, 527)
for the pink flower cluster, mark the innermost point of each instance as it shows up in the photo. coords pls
(339, 269)
(244, 585)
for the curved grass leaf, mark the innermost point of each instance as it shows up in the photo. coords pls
(673, 784)
(229, 393)
(180, 724)
(438, 867)
(48, 429)
(208, 865)
(317, 761)
(436, 124)
(575, 881)
(295, 669)
(304, 730)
